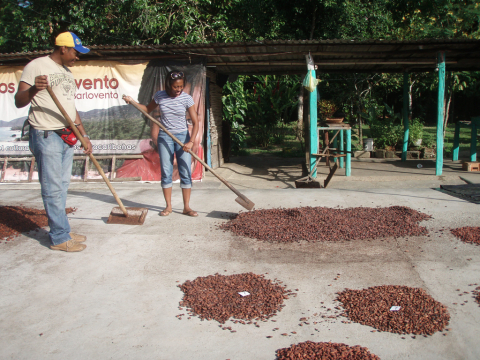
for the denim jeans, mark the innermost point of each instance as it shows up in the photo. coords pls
(166, 149)
(54, 161)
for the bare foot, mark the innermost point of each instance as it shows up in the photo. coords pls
(190, 212)
(165, 212)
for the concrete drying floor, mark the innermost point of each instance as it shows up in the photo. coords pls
(119, 298)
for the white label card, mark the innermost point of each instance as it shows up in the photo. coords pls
(244, 293)
(395, 308)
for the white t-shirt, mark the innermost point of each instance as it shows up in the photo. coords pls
(44, 113)
(173, 110)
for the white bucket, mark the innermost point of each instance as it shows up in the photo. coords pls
(368, 145)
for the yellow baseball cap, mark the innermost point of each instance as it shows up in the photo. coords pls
(69, 39)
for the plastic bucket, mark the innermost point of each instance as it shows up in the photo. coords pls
(368, 145)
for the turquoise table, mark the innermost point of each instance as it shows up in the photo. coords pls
(345, 147)
(474, 124)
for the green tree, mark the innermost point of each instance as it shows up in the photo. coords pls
(235, 107)
(435, 18)
(272, 104)
(310, 19)
(32, 25)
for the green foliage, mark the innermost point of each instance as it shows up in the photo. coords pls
(33, 25)
(260, 106)
(326, 108)
(235, 108)
(352, 93)
(415, 131)
(272, 102)
(428, 141)
(365, 20)
(435, 19)
(392, 114)
(238, 136)
(415, 127)
(386, 133)
(311, 19)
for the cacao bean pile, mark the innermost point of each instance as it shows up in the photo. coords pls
(476, 294)
(419, 313)
(15, 220)
(310, 350)
(327, 224)
(216, 297)
(468, 234)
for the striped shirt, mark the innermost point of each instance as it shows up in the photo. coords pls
(173, 110)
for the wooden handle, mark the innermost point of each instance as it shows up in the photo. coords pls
(84, 144)
(135, 104)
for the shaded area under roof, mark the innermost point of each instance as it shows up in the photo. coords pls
(288, 57)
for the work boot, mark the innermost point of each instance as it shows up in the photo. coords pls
(77, 237)
(69, 246)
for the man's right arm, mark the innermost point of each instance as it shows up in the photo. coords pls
(26, 92)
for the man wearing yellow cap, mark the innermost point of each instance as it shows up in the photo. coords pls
(53, 155)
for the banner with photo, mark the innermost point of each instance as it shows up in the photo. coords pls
(114, 127)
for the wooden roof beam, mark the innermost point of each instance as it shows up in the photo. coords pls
(323, 63)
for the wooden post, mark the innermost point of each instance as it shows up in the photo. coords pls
(406, 125)
(441, 99)
(335, 144)
(473, 143)
(112, 174)
(5, 162)
(32, 166)
(327, 145)
(313, 126)
(341, 149)
(208, 148)
(348, 169)
(85, 174)
(300, 124)
(456, 142)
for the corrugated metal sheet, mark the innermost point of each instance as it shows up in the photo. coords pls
(288, 56)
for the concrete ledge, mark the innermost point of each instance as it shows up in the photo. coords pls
(362, 154)
(413, 155)
(391, 154)
(380, 154)
(398, 178)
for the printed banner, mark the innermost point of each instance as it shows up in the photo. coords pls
(11, 118)
(100, 147)
(114, 127)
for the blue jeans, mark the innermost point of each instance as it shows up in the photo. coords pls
(54, 161)
(166, 149)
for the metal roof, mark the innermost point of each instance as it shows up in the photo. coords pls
(287, 57)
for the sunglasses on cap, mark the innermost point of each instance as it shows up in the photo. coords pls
(176, 75)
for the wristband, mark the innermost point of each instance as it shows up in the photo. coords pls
(86, 136)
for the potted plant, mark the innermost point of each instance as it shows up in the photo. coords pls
(416, 132)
